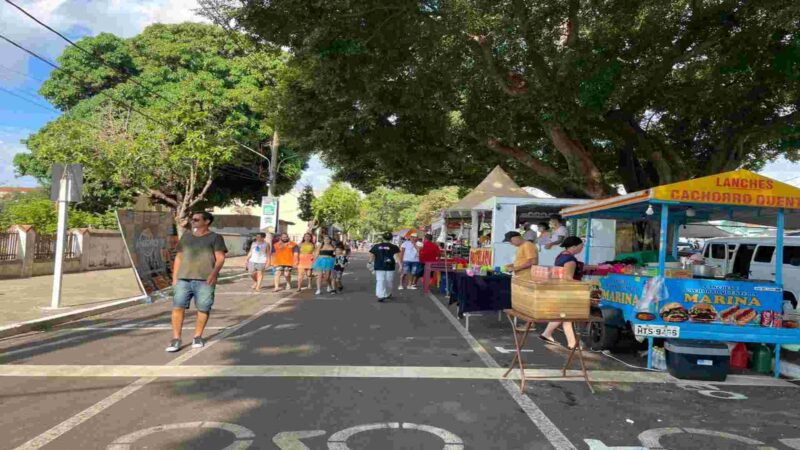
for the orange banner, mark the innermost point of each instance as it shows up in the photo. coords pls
(480, 257)
(740, 187)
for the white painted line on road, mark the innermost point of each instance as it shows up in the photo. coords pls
(320, 371)
(74, 421)
(243, 437)
(543, 423)
(136, 328)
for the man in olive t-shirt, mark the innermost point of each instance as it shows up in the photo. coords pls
(201, 254)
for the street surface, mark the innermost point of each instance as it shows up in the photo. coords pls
(295, 371)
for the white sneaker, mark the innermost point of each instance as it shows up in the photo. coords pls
(400, 288)
(318, 292)
(413, 287)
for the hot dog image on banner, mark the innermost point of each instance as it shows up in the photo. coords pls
(150, 239)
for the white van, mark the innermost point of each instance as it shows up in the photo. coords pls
(754, 259)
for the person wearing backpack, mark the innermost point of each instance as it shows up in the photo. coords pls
(384, 261)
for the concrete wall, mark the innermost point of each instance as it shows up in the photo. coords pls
(234, 242)
(10, 269)
(97, 250)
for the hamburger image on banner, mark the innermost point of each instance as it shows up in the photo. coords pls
(674, 312)
(703, 313)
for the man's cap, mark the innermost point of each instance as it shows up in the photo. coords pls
(511, 234)
(571, 241)
(387, 236)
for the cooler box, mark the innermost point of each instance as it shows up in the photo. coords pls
(698, 360)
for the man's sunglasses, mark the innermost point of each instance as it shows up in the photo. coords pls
(195, 219)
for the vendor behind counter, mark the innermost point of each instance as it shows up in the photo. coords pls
(527, 255)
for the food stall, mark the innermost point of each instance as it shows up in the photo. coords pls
(669, 300)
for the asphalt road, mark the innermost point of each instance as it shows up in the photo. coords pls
(297, 371)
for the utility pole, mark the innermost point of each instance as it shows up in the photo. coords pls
(273, 163)
(58, 269)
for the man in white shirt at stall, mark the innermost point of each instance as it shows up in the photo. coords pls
(409, 254)
(559, 231)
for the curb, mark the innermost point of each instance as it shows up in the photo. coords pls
(37, 324)
(789, 369)
(45, 322)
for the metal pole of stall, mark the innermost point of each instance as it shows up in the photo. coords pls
(781, 225)
(662, 263)
(588, 249)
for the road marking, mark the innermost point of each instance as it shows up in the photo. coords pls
(338, 441)
(243, 437)
(136, 328)
(331, 371)
(250, 333)
(290, 440)
(535, 414)
(504, 350)
(67, 425)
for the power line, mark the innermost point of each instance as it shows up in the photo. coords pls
(128, 75)
(103, 93)
(17, 95)
(9, 69)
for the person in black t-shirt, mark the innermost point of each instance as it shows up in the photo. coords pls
(383, 259)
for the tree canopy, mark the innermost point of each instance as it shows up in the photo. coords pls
(574, 97)
(385, 210)
(164, 118)
(338, 205)
(432, 203)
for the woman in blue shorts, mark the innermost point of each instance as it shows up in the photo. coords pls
(324, 261)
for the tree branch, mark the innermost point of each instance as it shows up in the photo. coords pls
(485, 48)
(580, 162)
(202, 195)
(541, 169)
(155, 193)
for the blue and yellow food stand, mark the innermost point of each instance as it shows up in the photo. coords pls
(701, 308)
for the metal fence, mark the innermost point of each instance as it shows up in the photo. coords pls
(9, 243)
(45, 248)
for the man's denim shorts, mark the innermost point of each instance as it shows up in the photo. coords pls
(201, 291)
(410, 267)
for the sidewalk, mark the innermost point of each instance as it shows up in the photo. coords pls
(24, 299)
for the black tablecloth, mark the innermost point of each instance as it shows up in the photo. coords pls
(477, 293)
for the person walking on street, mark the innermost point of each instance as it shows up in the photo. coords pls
(200, 256)
(285, 256)
(338, 270)
(409, 254)
(258, 260)
(384, 260)
(306, 261)
(324, 262)
(572, 245)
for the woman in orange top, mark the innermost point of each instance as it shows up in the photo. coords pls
(306, 261)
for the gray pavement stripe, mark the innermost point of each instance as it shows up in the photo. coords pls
(67, 425)
(557, 439)
(328, 371)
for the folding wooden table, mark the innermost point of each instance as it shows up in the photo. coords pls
(519, 343)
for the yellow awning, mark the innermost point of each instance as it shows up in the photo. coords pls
(738, 188)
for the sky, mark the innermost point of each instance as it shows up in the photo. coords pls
(22, 74)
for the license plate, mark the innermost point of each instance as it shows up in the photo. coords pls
(660, 331)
